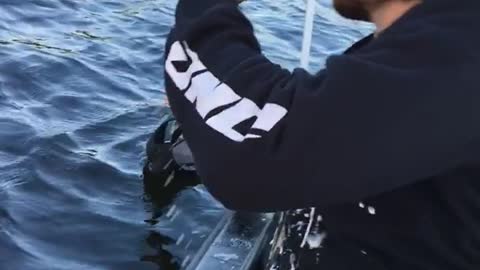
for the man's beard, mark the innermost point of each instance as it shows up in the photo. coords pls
(355, 9)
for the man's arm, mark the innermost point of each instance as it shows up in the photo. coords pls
(266, 139)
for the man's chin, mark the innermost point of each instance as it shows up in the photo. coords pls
(352, 9)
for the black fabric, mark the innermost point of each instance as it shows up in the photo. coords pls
(384, 141)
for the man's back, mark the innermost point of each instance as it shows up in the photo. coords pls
(384, 141)
(434, 223)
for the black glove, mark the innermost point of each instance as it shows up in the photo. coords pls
(169, 167)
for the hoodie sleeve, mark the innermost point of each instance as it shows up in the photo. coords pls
(267, 139)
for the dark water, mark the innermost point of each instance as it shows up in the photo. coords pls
(80, 92)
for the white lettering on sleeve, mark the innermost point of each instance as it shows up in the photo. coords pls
(229, 118)
(177, 53)
(269, 116)
(210, 93)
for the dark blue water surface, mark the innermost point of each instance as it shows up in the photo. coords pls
(80, 92)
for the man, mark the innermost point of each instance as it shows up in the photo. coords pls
(384, 141)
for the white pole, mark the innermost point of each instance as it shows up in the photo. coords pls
(307, 34)
(304, 63)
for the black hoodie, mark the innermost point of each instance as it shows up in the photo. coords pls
(385, 141)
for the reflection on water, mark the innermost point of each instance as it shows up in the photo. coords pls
(87, 35)
(37, 44)
(162, 258)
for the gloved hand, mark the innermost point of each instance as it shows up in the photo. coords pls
(169, 167)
